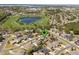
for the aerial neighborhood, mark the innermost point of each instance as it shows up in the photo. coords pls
(39, 30)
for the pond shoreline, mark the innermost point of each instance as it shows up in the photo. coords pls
(29, 20)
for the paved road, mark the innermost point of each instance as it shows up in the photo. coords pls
(60, 51)
(76, 20)
(65, 40)
(74, 53)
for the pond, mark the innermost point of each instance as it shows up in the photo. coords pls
(29, 20)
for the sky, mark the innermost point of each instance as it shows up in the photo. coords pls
(39, 1)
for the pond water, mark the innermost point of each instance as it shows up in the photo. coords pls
(29, 20)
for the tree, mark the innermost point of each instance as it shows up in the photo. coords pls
(1, 38)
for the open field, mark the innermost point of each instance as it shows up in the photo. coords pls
(12, 23)
(72, 27)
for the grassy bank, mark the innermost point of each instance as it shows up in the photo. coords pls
(13, 25)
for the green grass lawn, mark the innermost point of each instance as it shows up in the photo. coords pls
(72, 27)
(13, 24)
